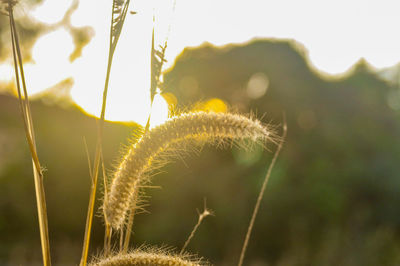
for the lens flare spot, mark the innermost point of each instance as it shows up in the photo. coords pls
(257, 85)
(212, 105)
(216, 105)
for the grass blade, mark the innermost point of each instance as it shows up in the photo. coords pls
(118, 15)
(30, 136)
(206, 212)
(260, 196)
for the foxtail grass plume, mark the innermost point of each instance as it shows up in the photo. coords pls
(144, 259)
(199, 127)
(155, 257)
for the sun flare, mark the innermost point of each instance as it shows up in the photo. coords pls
(128, 96)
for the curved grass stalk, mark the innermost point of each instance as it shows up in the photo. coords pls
(206, 212)
(199, 127)
(260, 196)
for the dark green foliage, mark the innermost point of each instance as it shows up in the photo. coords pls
(340, 164)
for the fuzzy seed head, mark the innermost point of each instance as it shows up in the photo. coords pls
(203, 127)
(140, 258)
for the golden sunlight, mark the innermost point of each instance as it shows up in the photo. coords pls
(51, 11)
(50, 61)
(128, 95)
(333, 45)
(6, 73)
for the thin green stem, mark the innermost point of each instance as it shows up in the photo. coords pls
(203, 215)
(92, 198)
(260, 196)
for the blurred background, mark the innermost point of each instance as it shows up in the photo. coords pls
(333, 195)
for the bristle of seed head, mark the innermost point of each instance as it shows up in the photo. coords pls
(200, 126)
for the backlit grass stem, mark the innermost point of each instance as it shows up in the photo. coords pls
(260, 196)
(202, 215)
(30, 136)
(118, 15)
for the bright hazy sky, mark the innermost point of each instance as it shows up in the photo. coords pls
(335, 33)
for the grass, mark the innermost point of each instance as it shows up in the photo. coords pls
(30, 135)
(198, 127)
(149, 256)
(118, 15)
(123, 194)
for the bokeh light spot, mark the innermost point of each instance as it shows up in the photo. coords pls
(215, 105)
(212, 105)
(257, 85)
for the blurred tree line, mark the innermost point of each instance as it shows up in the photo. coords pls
(333, 196)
